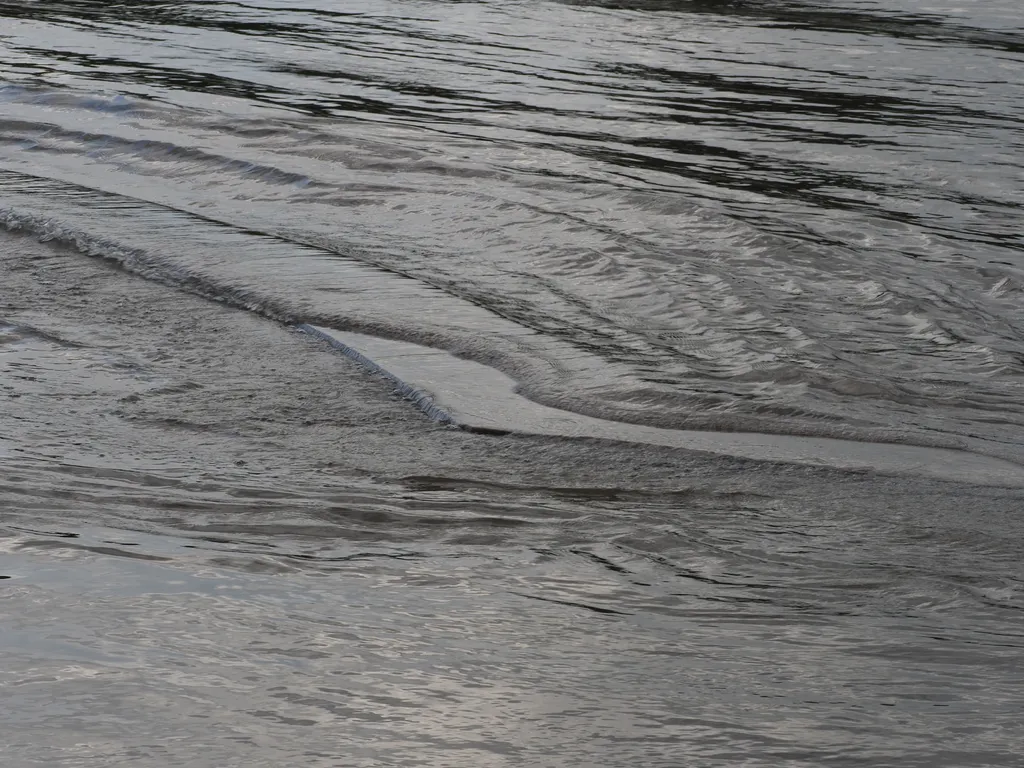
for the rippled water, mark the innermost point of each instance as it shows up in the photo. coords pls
(780, 223)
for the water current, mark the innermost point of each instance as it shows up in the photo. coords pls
(727, 299)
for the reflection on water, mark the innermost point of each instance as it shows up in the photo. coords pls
(777, 217)
(225, 546)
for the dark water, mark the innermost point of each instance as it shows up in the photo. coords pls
(227, 545)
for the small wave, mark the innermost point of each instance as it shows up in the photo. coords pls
(43, 137)
(296, 283)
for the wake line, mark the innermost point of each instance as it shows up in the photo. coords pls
(478, 398)
(216, 261)
(419, 397)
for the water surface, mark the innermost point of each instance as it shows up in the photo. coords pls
(228, 545)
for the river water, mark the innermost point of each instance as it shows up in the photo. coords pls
(726, 298)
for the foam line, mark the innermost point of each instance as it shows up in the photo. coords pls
(420, 398)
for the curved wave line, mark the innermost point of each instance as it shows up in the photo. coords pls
(419, 397)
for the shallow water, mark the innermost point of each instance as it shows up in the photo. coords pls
(228, 545)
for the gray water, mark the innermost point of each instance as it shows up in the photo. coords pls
(789, 229)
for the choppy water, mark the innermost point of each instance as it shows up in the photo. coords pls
(230, 546)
